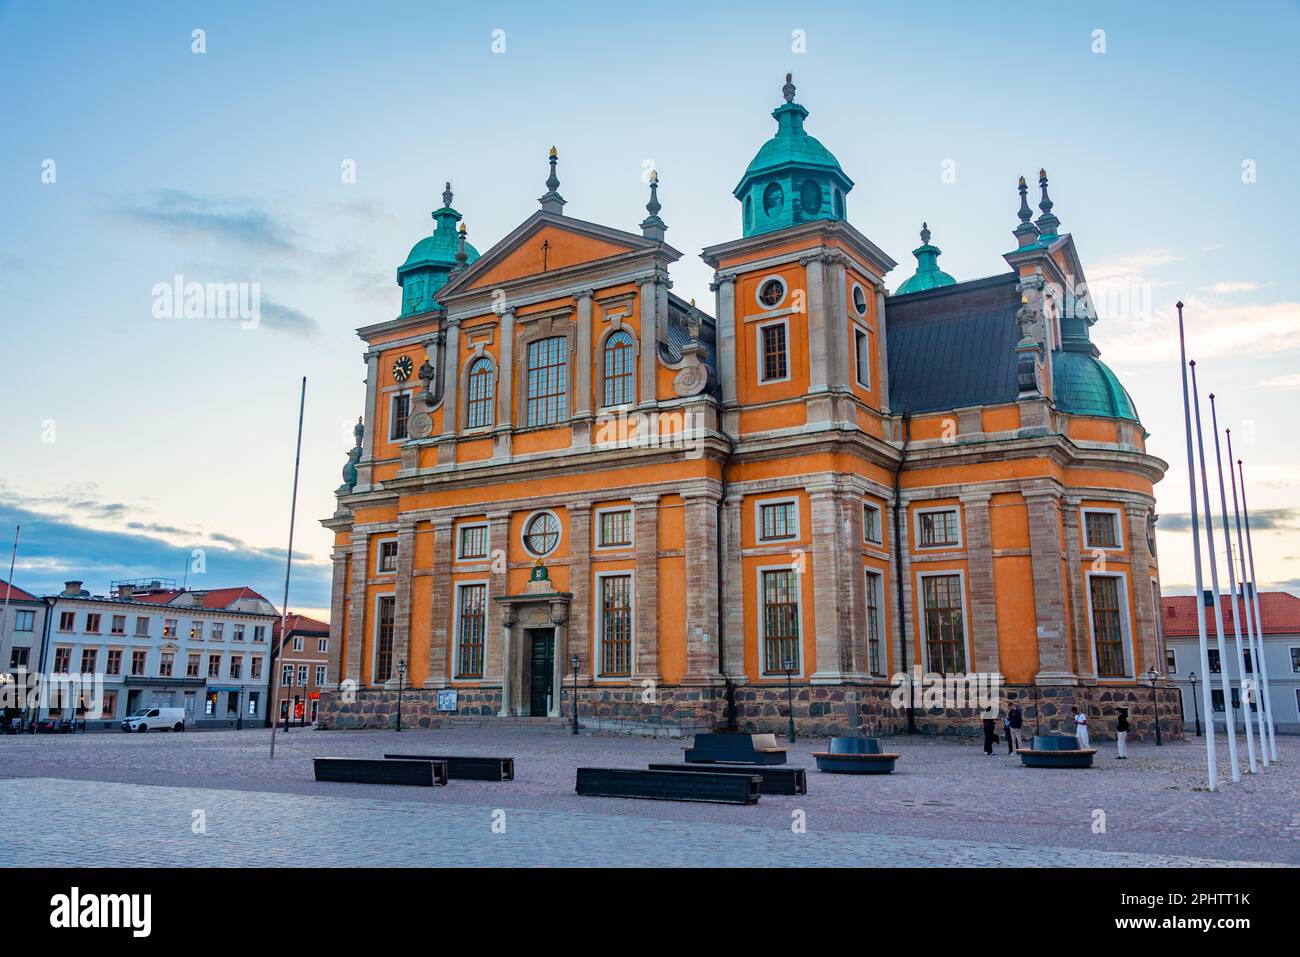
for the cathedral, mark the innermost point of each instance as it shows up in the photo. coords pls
(569, 480)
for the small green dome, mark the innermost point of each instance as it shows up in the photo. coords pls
(431, 261)
(1084, 385)
(435, 251)
(791, 145)
(928, 274)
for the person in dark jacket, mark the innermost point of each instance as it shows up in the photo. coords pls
(1121, 735)
(1015, 721)
(990, 735)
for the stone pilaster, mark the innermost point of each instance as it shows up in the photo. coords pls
(652, 289)
(451, 378)
(1076, 596)
(733, 593)
(402, 595)
(579, 625)
(372, 417)
(904, 620)
(852, 575)
(1145, 615)
(357, 605)
(646, 516)
(582, 359)
(1045, 549)
(505, 411)
(724, 288)
(881, 380)
(440, 606)
(702, 608)
(836, 330)
(494, 661)
(983, 597)
(833, 627)
(338, 611)
(818, 359)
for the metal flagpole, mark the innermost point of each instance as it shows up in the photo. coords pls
(288, 564)
(1254, 589)
(9, 582)
(1243, 682)
(1252, 627)
(1230, 721)
(1211, 755)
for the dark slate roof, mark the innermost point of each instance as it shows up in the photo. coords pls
(953, 346)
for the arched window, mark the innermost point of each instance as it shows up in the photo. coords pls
(480, 393)
(548, 382)
(620, 369)
(839, 205)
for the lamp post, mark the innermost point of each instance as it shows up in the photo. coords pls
(574, 663)
(1153, 676)
(788, 667)
(401, 681)
(1196, 705)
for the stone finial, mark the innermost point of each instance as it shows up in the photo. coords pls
(787, 91)
(551, 200)
(652, 227)
(446, 195)
(1026, 232)
(1047, 223)
(925, 234)
(462, 257)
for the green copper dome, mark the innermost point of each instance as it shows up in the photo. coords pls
(928, 274)
(429, 265)
(1084, 385)
(793, 178)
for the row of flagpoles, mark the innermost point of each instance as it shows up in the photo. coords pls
(1253, 688)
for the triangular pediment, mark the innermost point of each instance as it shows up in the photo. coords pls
(545, 243)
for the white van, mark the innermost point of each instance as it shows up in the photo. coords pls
(155, 719)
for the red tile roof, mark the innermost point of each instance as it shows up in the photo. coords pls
(1280, 611)
(308, 626)
(217, 598)
(15, 593)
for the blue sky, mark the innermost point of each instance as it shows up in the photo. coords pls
(128, 440)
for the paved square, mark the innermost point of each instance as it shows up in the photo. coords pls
(119, 799)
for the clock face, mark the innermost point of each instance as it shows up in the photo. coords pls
(403, 368)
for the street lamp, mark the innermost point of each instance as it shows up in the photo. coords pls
(788, 668)
(1196, 705)
(573, 663)
(401, 680)
(1153, 676)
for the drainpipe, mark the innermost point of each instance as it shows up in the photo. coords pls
(898, 563)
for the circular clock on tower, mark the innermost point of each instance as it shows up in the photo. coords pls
(403, 368)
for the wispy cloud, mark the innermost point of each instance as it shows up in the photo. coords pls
(1214, 328)
(1228, 288)
(229, 221)
(286, 319)
(1281, 382)
(1268, 519)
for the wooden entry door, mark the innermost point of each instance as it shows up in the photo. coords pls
(541, 655)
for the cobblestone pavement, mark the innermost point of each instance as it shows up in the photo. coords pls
(947, 804)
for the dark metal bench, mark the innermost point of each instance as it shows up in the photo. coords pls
(1056, 751)
(468, 768)
(423, 773)
(855, 756)
(735, 749)
(775, 780)
(669, 785)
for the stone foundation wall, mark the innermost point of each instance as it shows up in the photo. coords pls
(819, 710)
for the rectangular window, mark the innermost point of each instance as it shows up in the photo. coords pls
(192, 666)
(479, 401)
(169, 628)
(218, 631)
(1171, 662)
(67, 620)
(92, 624)
(939, 527)
(109, 707)
(88, 657)
(615, 529)
(297, 642)
(259, 632)
(286, 675)
(778, 521)
(302, 675)
(862, 356)
(142, 627)
(320, 675)
(774, 363)
(616, 625)
(232, 703)
(548, 382)
(239, 633)
(196, 631)
(1107, 625)
(1245, 655)
(780, 621)
(255, 669)
(113, 662)
(620, 369)
(323, 646)
(138, 659)
(945, 625)
(62, 660)
(236, 666)
(18, 657)
(871, 523)
(210, 704)
(874, 665)
(471, 627)
(253, 699)
(165, 661)
(1101, 529)
(118, 626)
(384, 621)
(24, 621)
(1295, 659)
(401, 414)
(1215, 665)
(472, 542)
(387, 557)
(214, 666)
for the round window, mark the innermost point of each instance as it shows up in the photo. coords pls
(773, 199)
(770, 293)
(859, 300)
(542, 533)
(810, 198)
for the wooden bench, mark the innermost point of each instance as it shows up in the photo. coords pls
(669, 785)
(1056, 751)
(468, 768)
(855, 756)
(422, 773)
(775, 780)
(735, 749)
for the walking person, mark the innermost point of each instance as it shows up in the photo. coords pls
(1121, 735)
(1080, 727)
(1015, 721)
(990, 735)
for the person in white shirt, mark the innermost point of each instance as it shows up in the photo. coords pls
(1081, 727)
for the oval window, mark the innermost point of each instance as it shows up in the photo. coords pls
(859, 300)
(770, 293)
(773, 199)
(542, 533)
(810, 196)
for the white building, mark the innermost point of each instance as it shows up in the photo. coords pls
(1281, 614)
(156, 645)
(21, 627)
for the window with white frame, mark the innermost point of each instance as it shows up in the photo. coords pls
(259, 632)
(92, 623)
(615, 625)
(471, 630)
(875, 663)
(62, 660)
(320, 675)
(1171, 662)
(472, 542)
(169, 628)
(871, 526)
(770, 293)
(118, 625)
(255, 668)
(481, 379)
(192, 665)
(196, 631)
(938, 528)
(387, 557)
(218, 630)
(944, 616)
(620, 369)
(88, 658)
(142, 627)
(25, 621)
(238, 632)
(286, 675)
(236, 666)
(780, 596)
(862, 356)
(547, 382)
(1105, 594)
(778, 520)
(614, 528)
(773, 352)
(303, 671)
(214, 666)
(166, 660)
(67, 620)
(399, 416)
(1100, 528)
(297, 642)
(323, 645)
(859, 300)
(1295, 659)
(139, 659)
(113, 663)
(542, 534)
